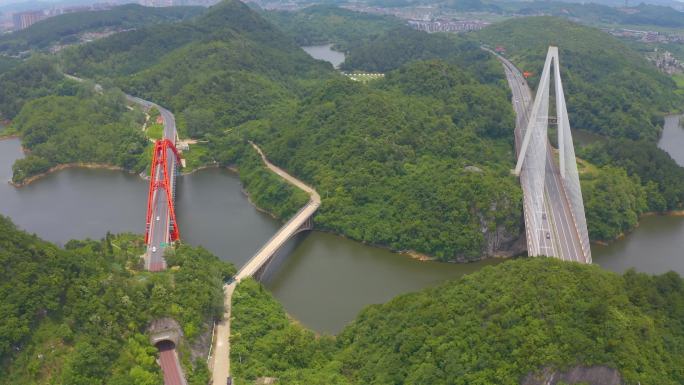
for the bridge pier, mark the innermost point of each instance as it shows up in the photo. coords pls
(265, 267)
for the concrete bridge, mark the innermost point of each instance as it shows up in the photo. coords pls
(555, 223)
(219, 363)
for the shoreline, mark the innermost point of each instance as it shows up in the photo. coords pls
(624, 234)
(8, 137)
(59, 167)
(410, 253)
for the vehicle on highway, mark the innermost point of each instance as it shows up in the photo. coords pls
(548, 235)
(154, 249)
(157, 218)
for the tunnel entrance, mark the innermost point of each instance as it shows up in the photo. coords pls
(165, 345)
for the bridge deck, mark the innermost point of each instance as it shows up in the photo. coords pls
(159, 228)
(288, 229)
(564, 241)
(220, 364)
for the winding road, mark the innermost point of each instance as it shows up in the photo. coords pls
(220, 363)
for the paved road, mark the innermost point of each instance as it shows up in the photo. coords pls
(168, 360)
(287, 230)
(220, 365)
(221, 359)
(564, 241)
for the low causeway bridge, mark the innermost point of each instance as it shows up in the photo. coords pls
(255, 267)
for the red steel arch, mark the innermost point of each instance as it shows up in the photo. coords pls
(159, 158)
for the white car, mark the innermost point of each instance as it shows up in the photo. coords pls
(154, 249)
(157, 219)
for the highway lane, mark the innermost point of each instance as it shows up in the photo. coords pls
(559, 223)
(168, 360)
(538, 243)
(161, 217)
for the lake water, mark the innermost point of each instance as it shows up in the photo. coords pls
(322, 280)
(672, 139)
(656, 245)
(325, 52)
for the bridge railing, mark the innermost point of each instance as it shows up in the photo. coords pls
(282, 228)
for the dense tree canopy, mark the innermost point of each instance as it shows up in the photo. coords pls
(613, 202)
(418, 161)
(653, 166)
(230, 62)
(78, 315)
(322, 24)
(81, 125)
(32, 79)
(490, 327)
(394, 48)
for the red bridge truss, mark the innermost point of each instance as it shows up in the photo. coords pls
(159, 158)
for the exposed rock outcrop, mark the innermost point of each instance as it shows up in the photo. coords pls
(594, 375)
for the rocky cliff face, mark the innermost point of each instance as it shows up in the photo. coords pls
(595, 375)
(501, 240)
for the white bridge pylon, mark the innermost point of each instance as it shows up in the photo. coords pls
(532, 167)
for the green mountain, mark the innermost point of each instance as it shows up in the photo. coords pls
(596, 14)
(322, 24)
(610, 88)
(229, 64)
(419, 161)
(67, 28)
(79, 315)
(495, 326)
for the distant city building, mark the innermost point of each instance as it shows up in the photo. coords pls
(171, 3)
(448, 25)
(157, 3)
(25, 19)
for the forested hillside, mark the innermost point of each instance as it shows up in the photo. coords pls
(34, 78)
(322, 24)
(74, 123)
(597, 14)
(228, 65)
(67, 28)
(420, 161)
(394, 48)
(610, 88)
(78, 315)
(490, 327)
